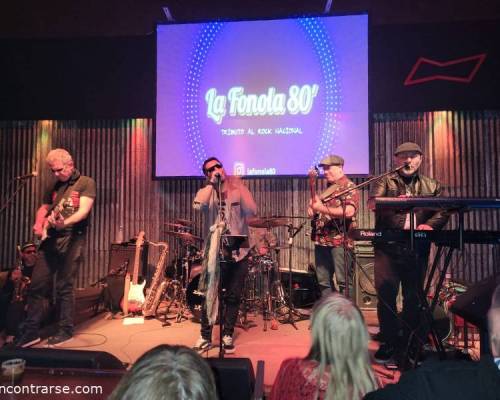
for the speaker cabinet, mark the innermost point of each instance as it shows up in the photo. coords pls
(122, 255)
(366, 295)
(305, 288)
(234, 377)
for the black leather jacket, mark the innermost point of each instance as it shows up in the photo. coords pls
(393, 186)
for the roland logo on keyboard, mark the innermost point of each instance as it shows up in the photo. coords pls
(420, 234)
(370, 234)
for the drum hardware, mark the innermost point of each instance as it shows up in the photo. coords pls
(185, 269)
(263, 292)
(178, 227)
(185, 237)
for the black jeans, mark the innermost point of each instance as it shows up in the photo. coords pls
(395, 265)
(58, 256)
(233, 281)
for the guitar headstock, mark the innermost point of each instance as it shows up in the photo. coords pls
(140, 239)
(313, 173)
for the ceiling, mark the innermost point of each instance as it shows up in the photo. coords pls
(63, 18)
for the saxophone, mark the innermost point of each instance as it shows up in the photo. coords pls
(158, 284)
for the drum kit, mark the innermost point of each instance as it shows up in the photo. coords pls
(263, 292)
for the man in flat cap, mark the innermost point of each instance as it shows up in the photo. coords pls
(395, 263)
(331, 219)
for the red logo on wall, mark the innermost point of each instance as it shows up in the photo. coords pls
(460, 70)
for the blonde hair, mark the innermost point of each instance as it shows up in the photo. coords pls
(59, 155)
(340, 345)
(168, 372)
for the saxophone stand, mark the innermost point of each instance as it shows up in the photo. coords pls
(292, 314)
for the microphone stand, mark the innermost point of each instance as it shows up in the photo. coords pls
(290, 318)
(341, 196)
(221, 218)
(22, 183)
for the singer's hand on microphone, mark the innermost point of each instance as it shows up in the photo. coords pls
(216, 177)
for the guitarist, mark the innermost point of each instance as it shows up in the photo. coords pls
(329, 227)
(61, 221)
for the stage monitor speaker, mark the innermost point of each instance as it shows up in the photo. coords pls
(474, 304)
(60, 358)
(234, 377)
(305, 288)
(124, 253)
(366, 295)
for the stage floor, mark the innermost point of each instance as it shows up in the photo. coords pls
(127, 339)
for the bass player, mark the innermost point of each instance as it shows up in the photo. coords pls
(332, 218)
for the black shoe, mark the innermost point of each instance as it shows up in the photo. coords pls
(58, 339)
(27, 339)
(384, 354)
(228, 345)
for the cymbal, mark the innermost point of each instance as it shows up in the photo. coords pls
(183, 222)
(184, 236)
(178, 226)
(267, 222)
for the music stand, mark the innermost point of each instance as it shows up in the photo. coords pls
(229, 243)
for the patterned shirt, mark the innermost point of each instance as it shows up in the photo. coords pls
(329, 230)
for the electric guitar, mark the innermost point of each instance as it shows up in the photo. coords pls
(55, 213)
(133, 292)
(313, 173)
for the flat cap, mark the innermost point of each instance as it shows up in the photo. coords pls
(408, 146)
(332, 160)
(27, 244)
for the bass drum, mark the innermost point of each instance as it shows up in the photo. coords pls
(193, 297)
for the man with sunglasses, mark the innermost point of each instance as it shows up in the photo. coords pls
(61, 221)
(13, 293)
(332, 219)
(226, 204)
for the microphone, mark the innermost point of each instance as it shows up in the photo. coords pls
(217, 175)
(27, 176)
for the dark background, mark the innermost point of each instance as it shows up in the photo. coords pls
(96, 59)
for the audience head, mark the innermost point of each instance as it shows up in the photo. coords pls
(167, 372)
(494, 322)
(340, 344)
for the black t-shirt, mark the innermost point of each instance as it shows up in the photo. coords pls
(78, 186)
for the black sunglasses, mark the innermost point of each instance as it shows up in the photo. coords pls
(213, 167)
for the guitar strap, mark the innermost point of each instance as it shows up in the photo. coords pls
(62, 195)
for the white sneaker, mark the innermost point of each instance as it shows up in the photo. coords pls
(227, 344)
(202, 344)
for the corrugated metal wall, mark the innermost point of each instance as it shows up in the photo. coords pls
(462, 151)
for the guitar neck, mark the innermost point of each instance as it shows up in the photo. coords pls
(138, 244)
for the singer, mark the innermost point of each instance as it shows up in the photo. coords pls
(62, 220)
(226, 203)
(332, 219)
(395, 263)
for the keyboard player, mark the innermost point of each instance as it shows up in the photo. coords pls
(395, 263)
